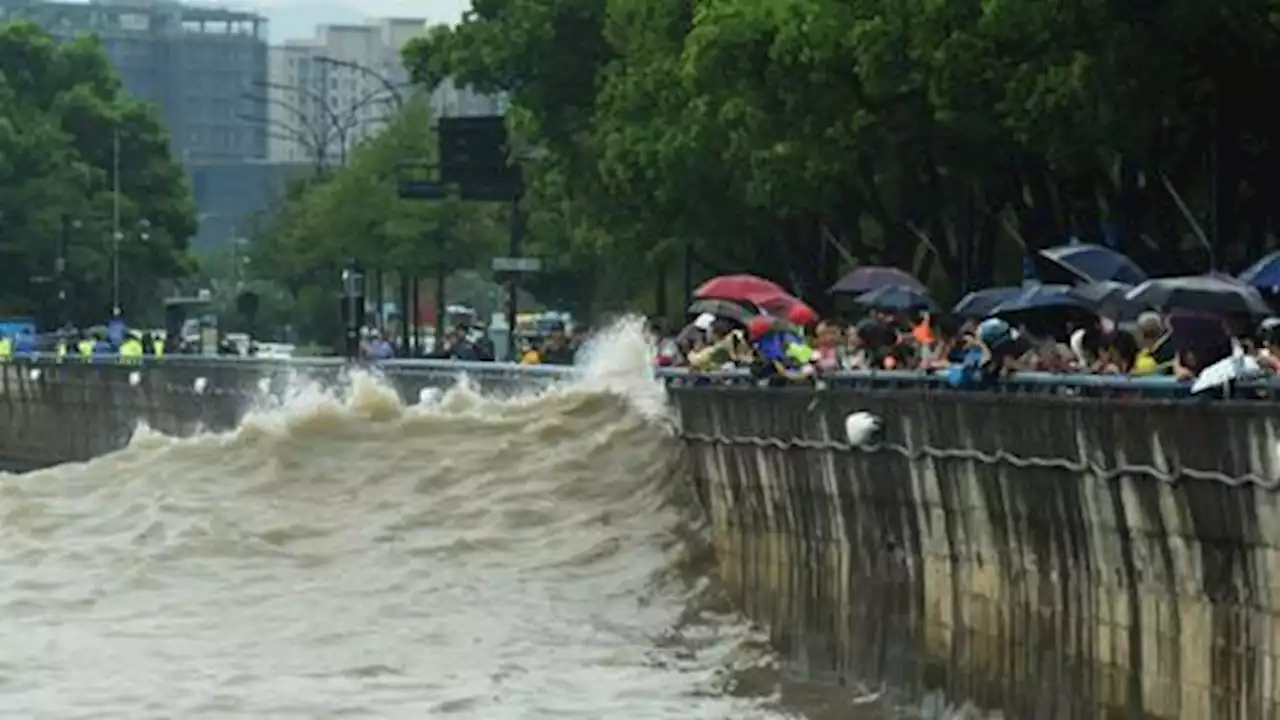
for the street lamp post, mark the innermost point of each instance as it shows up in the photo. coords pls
(60, 268)
(353, 306)
(116, 235)
(314, 140)
(392, 90)
(335, 126)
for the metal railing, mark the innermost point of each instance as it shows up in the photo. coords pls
(1036, 383)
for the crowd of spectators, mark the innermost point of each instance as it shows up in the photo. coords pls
(801, 346)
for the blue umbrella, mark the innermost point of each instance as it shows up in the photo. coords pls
(1263, 274)
(897, 297)
(1092, 263)
(980, 303)
(1044, 297)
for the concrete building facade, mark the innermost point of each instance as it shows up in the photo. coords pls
(194, 62)
(329, 92)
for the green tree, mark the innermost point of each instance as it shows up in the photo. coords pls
(355, 214)
(61, 108)
(790, 137)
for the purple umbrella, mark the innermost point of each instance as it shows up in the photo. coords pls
(866, 279)
(1204, 334)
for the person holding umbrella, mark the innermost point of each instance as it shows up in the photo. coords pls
(782, 355)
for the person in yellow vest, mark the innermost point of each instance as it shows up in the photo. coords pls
(528, 355)
(131, 349)
(157, 346)
(6, 348)
(84, 348)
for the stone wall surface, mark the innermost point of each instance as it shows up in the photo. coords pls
(1051, 556)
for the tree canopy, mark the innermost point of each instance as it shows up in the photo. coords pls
(61, 108)
(794, 137)
(355, 214)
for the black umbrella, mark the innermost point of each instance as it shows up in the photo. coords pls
(980, 303)
(1200, 293)
(897, 297)
(866, 279)
(1091, 263)
(1044, 297)
(726, 309)
(1110, 298)
(1047, 307)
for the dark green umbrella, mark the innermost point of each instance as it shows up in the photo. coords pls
(726, 309)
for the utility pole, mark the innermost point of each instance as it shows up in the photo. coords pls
(516, 248)
(60, 270)
(116, 235)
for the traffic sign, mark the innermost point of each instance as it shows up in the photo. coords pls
(473, 152)
(432, 190)
(423, 190)
(517, 265)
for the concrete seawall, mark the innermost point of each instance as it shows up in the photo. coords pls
(1051, 556)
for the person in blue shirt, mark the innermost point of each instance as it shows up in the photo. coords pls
(25, 344)
(101, 346)
(979, 355)
(783, 354)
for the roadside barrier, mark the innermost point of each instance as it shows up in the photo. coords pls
(1038, 383)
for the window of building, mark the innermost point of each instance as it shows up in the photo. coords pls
(136, 22)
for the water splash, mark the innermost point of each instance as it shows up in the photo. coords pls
(619, 360)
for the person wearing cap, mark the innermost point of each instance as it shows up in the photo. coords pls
(726, 346)
(782, 353)
(802, 317)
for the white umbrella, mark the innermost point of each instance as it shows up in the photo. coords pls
(1228, 370)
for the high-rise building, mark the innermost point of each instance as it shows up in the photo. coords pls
(196, 63)
(329, 92)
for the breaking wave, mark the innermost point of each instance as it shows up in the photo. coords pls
(344, 553)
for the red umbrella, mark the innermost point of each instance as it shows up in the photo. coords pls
(741, 288)
(788, 306)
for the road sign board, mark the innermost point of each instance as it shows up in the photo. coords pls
(517, 264)
(432, 190)
(473, 151)
(423, 189)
